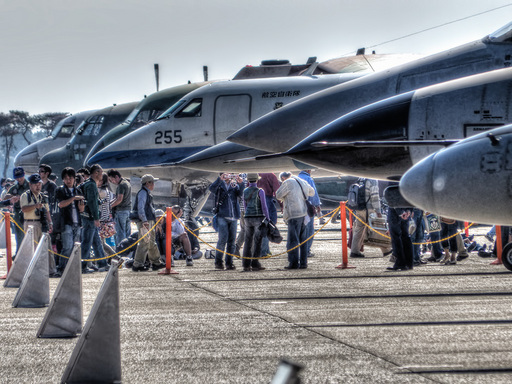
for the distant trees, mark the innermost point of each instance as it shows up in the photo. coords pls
(25, 125)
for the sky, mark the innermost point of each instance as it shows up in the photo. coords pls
(71, 56)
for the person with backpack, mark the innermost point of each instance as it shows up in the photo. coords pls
(363, 198)
(227, 189)
(293, 193)
(255, 210)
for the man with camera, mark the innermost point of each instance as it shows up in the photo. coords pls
(227, 190)
(36, 213)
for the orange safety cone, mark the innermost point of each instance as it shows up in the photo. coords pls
(499, 247)
(168, 244)
(344, 248)
(8, 243)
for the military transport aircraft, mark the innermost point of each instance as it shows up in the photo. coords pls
(282, 129)
(30, 157)
(206, 116)
(87, 134)
(148, 109)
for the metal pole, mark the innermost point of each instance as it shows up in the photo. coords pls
(344, 247)
(499, 246)
(8, 244)
(168, 244)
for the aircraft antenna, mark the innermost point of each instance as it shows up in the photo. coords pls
(205, 72)
(157, 77)
(435, 27)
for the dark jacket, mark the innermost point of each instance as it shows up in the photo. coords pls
(92, 207)
(226, 198)
(144, 199)
(66, 216)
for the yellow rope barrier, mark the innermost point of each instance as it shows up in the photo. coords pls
(387, 237)
(192, 231)
(267, 256)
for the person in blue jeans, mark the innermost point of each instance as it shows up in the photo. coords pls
(91, 221)
(70, 203)
(227, 190)
(315, 201)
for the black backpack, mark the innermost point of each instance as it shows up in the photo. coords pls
(357, 195)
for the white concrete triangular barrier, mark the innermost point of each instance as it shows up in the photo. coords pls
(97, 354)
(3, 240)
(64, 315)
(34, 291)
(22, 261)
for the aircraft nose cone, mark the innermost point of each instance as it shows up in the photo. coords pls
(467, 181)
(417, 186)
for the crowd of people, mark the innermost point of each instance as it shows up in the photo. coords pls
(410, 231)
(84, 209)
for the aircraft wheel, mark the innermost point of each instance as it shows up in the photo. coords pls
(506, 256)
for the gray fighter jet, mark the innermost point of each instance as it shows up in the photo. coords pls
(470, 180)
(282, 129)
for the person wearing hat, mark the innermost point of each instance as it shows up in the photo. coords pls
(20, 186)
(255, 210)
(227, 189)
(36, 213)
(146, 220)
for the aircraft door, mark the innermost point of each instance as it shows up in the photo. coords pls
(231, 113)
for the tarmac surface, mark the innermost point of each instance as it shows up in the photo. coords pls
(432, 324)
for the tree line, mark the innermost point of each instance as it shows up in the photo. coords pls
(20, 124)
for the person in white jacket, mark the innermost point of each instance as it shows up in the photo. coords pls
(293, 193)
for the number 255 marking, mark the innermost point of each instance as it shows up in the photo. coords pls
(168, 137)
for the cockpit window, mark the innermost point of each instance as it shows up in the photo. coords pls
(144, 117)
(67, 130)
(173, 108)
(92, 126)
(502, 35)
(192, 109)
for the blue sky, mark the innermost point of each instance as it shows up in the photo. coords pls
(69, 56)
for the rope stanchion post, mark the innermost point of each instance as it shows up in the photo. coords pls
(8, 243)
(466, 228)
(344, 246)
(168, 244)
(499, 246)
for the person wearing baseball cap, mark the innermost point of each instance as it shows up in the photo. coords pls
(36, 213)
(146, 220)
(14, 193)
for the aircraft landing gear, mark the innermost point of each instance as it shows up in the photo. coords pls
(506, 256)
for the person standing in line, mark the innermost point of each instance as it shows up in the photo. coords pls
(36, 212)
(255, 210)
(71, 204)
(371, 206)
(398, 223)
(291, 193)
(20, 186)
(315, 201)
(121, 205)
(106, 222)
(270, 184)
(227, 190)
(91, 220)
(49, 188)
(147, 218)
